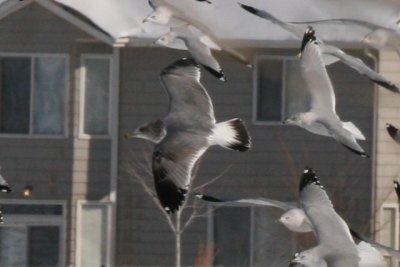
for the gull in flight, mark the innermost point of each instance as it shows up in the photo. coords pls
(185, 133)
(4, 187)
(330, 54)
(393, 132)
(335, 247)
(322, 118)
(190, 34)
(379, 37)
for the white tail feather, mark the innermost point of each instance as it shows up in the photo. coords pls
(349, 126)
(231, 134)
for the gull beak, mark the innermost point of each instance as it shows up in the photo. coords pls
(146, 19)
(286, 121)
(299, 55)
(129, 135)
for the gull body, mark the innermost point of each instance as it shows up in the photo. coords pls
(322, 118)
(185, 133)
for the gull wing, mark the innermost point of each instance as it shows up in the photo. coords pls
(384, 249)
(393, 132)
(334, 240)
(297, 31)
(316, 77)
(189, 102)
(173, 161)
(358, 65)
(250, 201)
(4, 187)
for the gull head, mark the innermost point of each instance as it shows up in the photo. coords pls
(296, 221)
(153, 131)
(377, 39)
(161, 15)
(305, 258)
(166, 39)
(296, 119)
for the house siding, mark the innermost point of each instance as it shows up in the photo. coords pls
(270, 169)
(67, 168)
(387, 151)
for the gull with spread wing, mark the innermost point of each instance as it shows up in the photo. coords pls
(322, 118)
(187, 33)
(335, 247)
(186, 132)
(330, 54)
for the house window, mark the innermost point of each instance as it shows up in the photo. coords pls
(93, 234)
(389, 233)
(246, 236)
(33, 234)
(95, 81)
(279, 90)
(33, 94)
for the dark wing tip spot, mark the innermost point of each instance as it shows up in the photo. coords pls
(248, 8)
(308, 177)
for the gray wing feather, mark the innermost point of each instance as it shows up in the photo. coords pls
(176, 156)
(358, 65)
(189, 101)
(316, 77)
(344, 22)
(330, 230)
(263, 202)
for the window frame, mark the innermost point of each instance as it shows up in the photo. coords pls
(391, 261)
(210, 226)
(82, 95)
(26, 220)
(257, 61)
(32, 135)
(108, 235)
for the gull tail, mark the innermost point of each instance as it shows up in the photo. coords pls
(231, 134)
(349, 126)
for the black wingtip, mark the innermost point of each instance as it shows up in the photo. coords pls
(5, 188)
(392, 131)
(360, 153)
(248, 8)
(309, 36)
(308, 177)
(219, 74)
(388, 85)
(170, 196)
(208, 198)
(396, 186)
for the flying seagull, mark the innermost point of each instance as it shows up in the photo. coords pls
(336, 247)
(199, 47)
(322, 118)
(293, 217)
(4, 187)
(194, 36)
(186, 132)
(393, 132)
(330, 53)
(379, 37)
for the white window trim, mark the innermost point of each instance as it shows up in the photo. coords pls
(79, 205)
(257, 59)
(82, 81)
(394, 206)
(31, 135)
(40, 220)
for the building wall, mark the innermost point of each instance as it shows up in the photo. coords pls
(388, 152)
(270, 169)
(67, 168)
